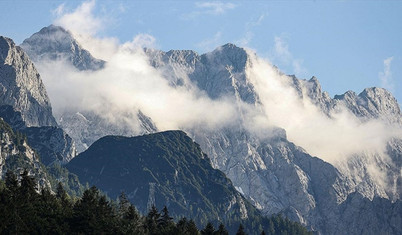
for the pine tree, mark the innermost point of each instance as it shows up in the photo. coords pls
(151, 220)
(240, 231)
(165, 218)
(60, 192)
(28, 185)
(124, 203)
(11, 181)
(221, 230)
(182, 226)
(208, 230)
(192, 228)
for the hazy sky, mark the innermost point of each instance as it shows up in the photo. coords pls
(347, 45)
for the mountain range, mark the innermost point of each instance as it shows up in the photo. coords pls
(264, 163)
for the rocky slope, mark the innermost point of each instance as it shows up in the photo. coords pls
(17, 155)
(52, 143)
(165, 168)
(54, 43)
(87, 127)
(22, 87)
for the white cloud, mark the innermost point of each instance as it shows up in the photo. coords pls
(256, 21)
(246, 39)
(249, 35)
(81, 20)
(215, 8)
(331, 138)
(282, 55)
(208, 8)
(59, 10)
(386, 75)
(210, 43)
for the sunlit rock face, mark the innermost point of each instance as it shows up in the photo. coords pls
(22, 87)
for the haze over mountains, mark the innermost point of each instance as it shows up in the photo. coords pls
(284, 143)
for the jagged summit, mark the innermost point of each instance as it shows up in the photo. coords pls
(54, 42)
(230, 54)
(374, 102)
(5, 45)
(22, 87)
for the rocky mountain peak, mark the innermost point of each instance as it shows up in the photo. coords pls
(374, 102)
(22, 87)
(380, 102)
(5, 45)
(228, 54)
(54, 42)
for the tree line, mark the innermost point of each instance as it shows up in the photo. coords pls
(24, 209)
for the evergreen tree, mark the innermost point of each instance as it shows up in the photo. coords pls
(165, 218)
(93, 214)
(124, 204)
(182, 226)
(240, 231)
(11, 181)
(60, 192)
(28, 185)
(151, 220)
(208, 230)
(221, 230)
(192, 228)
(166, 224)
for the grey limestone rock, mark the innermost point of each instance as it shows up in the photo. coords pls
(52, 143)
(22, 87)
(54, 42)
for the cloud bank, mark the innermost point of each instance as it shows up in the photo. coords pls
(331, 138)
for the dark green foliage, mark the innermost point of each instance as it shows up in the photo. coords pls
(240, 231)
(60, 175)
(25, 211)
(222, 230)
(208, 230)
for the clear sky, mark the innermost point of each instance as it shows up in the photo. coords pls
(347, 45)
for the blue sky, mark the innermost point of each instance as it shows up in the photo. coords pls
(347, 45)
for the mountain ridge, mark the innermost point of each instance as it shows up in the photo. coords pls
(277, 166)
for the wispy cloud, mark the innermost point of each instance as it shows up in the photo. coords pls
(210, 43)
(282, 54)
(209, 8)
(256, 21)
(215, 8)
(249, 27)
(59, 10)
(386, 75)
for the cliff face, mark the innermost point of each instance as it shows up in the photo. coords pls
(22, 87)
(52, 143)
(17, 155)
